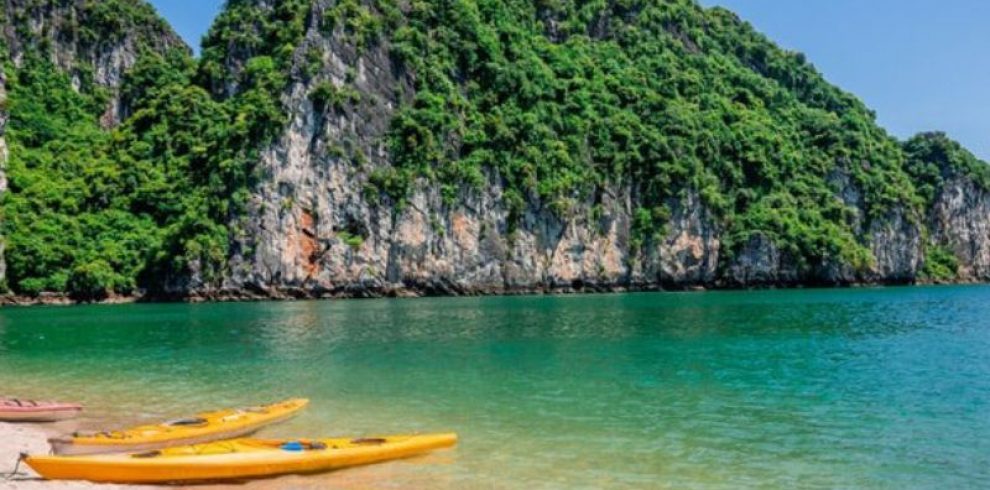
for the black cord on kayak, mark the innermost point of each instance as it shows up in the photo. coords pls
(17, 466)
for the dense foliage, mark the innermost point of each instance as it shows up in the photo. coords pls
(563, 98)
(64, 215)
(93, 211)
(89, 210)
(941, 264)
(933, 157)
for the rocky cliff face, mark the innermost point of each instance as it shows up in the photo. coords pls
(304, 246)
(317, 222)
(311, 231)
(95, 42)
(3, 166)
(959, 220)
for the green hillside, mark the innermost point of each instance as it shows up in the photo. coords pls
(562, 97)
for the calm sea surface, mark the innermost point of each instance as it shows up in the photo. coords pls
(868, 388)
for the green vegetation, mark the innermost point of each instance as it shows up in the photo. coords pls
(326, 95)
(107, 21)
(662, 96)
(92, 212)
(561, 97)
(941, 264)
(359, 22)
(933, 157)
(64, 210)
(353, 240)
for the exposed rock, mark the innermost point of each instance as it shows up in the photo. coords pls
(762, 263)
(960, 220)
(3, 166)
(59, 26)
(895, 240)
(897, 245)
(311, 231)
(56, 28)
(690, 251)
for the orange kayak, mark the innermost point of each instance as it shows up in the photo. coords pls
(15, 410)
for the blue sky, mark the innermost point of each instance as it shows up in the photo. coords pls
(921, 64)
(190, 18)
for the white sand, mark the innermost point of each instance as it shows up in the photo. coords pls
(32, 438)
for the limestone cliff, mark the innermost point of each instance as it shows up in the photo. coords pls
(324, 148)
(959, 220)
(95, 42)
(312, 231)
(3, 166)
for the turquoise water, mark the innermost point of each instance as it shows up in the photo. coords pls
(870, 388)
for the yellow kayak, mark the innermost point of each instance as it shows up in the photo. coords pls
(238, 459)
(202, 428)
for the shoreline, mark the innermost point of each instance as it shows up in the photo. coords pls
(33, 439)
(283, 294)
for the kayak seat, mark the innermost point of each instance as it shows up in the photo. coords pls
(296, 446)
(111, 435)
(369, 441)
(149, 454)
(188, 422)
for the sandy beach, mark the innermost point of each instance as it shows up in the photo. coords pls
(27, 438)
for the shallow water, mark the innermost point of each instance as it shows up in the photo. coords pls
(867, 388)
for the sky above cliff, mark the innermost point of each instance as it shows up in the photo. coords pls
(920, 64)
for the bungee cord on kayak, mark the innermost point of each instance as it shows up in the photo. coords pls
(17, 466)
